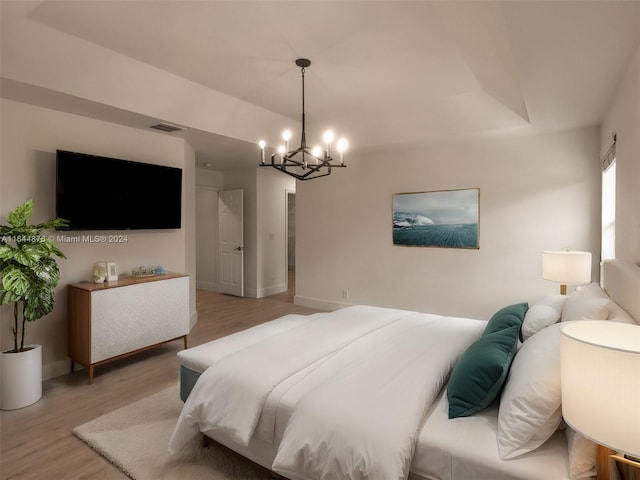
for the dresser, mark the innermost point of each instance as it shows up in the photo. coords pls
(112, 320)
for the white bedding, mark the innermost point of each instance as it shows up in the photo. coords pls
(324, 379)
(466, 448)
(343, 430)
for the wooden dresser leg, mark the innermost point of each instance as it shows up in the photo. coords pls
(90, 374)
(185, 342)
(603, 456)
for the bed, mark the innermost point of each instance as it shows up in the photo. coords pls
(318, 396)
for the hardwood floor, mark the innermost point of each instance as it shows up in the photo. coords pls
(36, 441)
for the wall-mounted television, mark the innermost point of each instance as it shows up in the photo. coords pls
(101, 193)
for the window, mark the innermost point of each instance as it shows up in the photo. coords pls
(609, 203)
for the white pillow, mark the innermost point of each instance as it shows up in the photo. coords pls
(530, 404)
(584, 305)
(617, 314)
(591, 290)
(582, 455)
(542, 314)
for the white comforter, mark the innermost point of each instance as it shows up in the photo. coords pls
(364, 376)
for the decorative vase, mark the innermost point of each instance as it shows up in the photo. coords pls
(99, 272)
(20, 378)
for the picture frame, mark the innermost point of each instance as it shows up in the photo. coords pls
(112, 272)
(439, 218)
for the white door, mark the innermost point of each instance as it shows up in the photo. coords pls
(231, 265)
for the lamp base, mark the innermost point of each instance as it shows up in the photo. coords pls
(563, 289)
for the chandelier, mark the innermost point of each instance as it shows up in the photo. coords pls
(305, 163)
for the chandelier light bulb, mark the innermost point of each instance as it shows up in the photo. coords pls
(281, 150)
(262, 144)
(316, 152)
(328, 136)
(342, 146)
(286, 135)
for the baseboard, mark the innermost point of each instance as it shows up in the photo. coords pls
(264, 292)
(250, 293)
(273, 290)
(318, 304)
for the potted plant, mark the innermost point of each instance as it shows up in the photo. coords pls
(29, 275)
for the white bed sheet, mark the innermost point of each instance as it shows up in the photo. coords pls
(466, 448)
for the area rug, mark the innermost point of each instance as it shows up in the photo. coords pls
(135, 437)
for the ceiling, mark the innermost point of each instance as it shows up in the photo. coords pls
(382, 72)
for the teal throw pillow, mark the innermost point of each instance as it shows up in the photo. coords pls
(507, 317)
(479, 375)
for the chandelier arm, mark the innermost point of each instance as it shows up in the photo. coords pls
(284, 161)
(304, 177)
(299, 177)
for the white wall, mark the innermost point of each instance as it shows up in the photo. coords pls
(206, 237)
(272, 230)
(536, 193)
(209, 178)
(189, 224)
(623, 118)
(30, 136)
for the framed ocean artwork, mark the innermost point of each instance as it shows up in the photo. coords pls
(443, 218)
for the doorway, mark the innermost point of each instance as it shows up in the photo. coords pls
(231, 242)
(290, 213)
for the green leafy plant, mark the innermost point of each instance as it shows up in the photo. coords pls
(28, 268)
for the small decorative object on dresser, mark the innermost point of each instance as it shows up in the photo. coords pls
(148, 270)
(112, 272)
(99, 272)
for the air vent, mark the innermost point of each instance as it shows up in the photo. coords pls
(166, 127)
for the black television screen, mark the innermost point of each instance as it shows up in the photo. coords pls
(100, 193)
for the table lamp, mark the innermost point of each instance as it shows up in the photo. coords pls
(600, 381)
(566, 268)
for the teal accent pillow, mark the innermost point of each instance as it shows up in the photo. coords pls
(507, 317)
(479, 375)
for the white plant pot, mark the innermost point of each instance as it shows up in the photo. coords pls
(20, 378)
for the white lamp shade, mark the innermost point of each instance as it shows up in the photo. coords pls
(567, 267)
(600, 375)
